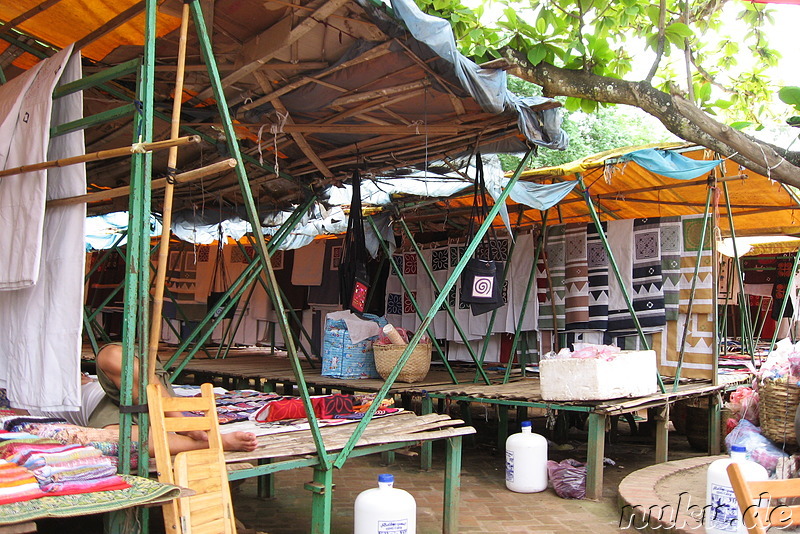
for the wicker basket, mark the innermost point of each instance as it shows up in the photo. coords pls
(777, 404)
(415, 369)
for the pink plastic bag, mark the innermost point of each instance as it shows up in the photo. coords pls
(568, 478)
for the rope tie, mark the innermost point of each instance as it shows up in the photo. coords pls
(138, 148)
(416, 125)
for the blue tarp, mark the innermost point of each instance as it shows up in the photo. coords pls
(670, 164)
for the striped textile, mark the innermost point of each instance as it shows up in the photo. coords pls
(555, 262)
(692, 226)
(671, 247)
(597, 260)
(576, 279)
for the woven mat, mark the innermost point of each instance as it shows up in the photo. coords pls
(142, 491)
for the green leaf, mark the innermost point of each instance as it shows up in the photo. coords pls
(793, 121)
(588, 106)
(536, 54)
(679, 28)
(740, 125)
(572, 104)
(790, 95)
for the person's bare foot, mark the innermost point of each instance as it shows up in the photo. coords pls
(239, 441)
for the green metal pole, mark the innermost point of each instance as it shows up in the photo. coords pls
(531, 282)
(452, 485)
(321, 489)
(414, 341)
(615, 268)
(247, 194)
(744, 307)
(682, 351)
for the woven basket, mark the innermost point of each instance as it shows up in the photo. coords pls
(777, 404)
(415, 369)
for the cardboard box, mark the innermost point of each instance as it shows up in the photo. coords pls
(630, 374)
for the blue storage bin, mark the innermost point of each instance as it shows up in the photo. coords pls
(341, 358)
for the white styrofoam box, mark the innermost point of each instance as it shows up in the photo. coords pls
(630, 374)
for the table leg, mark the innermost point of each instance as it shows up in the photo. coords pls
(265, 484)
(502, 426)
(452, 485)
(426, 449)
(594, 456)
(714, 423)
(321, 500)
(661, 416)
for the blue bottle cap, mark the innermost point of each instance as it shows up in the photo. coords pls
(386, 477)
(738, 448)
(525, 423)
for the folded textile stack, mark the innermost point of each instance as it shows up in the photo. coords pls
(32, 467)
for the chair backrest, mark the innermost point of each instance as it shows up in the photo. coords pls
(767, 503)
(209, 510)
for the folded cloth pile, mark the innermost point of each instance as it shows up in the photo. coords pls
(32, 467)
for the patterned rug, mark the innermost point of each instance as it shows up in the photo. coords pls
(142, 491)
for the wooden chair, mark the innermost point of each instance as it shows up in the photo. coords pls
(762, 503)
(209, 510)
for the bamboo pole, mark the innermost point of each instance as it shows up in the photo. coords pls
(101, 155)
(166, 212)
(188, 176)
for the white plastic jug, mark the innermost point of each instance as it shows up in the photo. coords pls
(385, 509)
(722, 515)
(526, 461)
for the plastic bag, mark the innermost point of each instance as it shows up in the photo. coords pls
(759, 448)
(744, 404)
(568, 478)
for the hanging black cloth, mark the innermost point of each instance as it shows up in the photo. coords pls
(219, 280)
(481, 279)
(353, 277)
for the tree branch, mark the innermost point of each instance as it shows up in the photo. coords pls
(662, 23)
(678, 115)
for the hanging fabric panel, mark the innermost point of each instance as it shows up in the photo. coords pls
(620, 240)
(552, 293)
(648, 293)
(41, 366)
(597, 260)
(576, 278)
(704, 286)
(671, 247)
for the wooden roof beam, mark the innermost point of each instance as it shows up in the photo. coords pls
(327, 8)
(19, 19)
(372, 53)
(111, 25)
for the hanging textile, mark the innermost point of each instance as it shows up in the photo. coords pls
(784, 263)
(410, 266)
(692, 226)
(648, 293)
(41, 325)
(576, 279)
(440, 265)
(425, 292)
(550, 289)
(620, 240)
(519, 273)
(25, 115)
(308, 265)
(328, 291)
(220, 283)
(670, 164)
(353, 278)
(394, 294)
(671, 247)
(597, 260)
(496, 251)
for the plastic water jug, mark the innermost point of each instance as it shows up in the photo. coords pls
(526, 461)
(385, 510)
(722, 515)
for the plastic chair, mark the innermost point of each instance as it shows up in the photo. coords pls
(763, 503)
(209, 510)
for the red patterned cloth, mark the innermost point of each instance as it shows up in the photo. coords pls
(324, 407)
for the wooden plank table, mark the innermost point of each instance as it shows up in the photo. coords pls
(292, 450)
(525, 393)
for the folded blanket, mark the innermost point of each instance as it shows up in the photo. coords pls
(85, 486)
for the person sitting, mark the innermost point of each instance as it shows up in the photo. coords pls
(106, 413)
